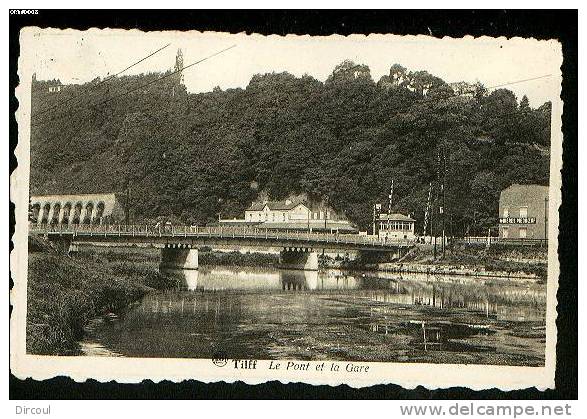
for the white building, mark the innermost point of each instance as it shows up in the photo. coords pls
(396, 227)
(294, 214)
(277, 211)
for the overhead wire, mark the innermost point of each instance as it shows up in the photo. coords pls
(142, 86)
(94, 87)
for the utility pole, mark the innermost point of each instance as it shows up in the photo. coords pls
(546, 220)
(488, 237)
(325, 213)
(376, 209)
(127, 206)
(374, 220)
(432, 228)
(389, 208)
(443, 202)
(427, 212)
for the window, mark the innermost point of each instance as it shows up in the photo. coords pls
(506, 212)
(523, 232)
(523, 212)
(505, 232)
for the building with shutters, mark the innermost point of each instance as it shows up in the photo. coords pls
(523, 212)
(293, 214)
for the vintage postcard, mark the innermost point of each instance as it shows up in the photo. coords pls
(360, 210)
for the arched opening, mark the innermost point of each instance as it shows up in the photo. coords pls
(35, 209)
(99, 213)
(55, 214)
(88, 215)
(77, 213)
(66, 213)
(45, 216)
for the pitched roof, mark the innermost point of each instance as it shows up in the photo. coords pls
(256, 206)
(314, 225)
(395, 217)
(274, 205)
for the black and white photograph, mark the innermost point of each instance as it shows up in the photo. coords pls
(358, 209)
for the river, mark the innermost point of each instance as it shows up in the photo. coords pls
(269, 313)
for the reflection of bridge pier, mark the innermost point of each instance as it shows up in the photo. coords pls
(298, 280)
(178, 256)
(298, 258)
(185, 278)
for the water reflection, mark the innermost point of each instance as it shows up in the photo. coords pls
(495, 298)
(251, 279)
(292, 314)
(437, 335)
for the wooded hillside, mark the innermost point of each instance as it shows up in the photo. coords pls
(193, 156)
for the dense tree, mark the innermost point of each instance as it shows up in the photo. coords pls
(194, 157)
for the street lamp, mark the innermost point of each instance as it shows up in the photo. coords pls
(376, 213)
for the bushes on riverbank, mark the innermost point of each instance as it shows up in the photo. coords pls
(494, 259)
(65, 293)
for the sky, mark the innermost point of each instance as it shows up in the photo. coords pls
(78, 57)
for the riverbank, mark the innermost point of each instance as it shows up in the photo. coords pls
(525, 263)
(502, 262)
(65, 293)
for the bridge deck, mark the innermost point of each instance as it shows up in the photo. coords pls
(246, 235)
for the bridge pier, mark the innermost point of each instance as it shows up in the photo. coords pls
(178, 256)
(298, 258)
(63, 243)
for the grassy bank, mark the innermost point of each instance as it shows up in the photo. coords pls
(532, 261)
(459, 259)
(64, 293)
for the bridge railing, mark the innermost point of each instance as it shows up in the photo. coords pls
(300, 236)
(479, 240)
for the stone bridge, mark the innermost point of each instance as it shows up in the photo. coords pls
(179, 244)
(75, 209)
